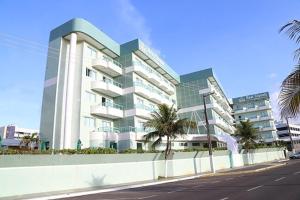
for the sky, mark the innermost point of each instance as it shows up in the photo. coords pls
(238, 39)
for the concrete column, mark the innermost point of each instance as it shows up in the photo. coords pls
(70, 93)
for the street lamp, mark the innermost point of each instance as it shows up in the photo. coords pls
(208, 133)
(289, 131)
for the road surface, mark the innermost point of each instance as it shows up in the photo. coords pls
(274, 184)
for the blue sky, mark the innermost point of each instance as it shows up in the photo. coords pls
(239, 39)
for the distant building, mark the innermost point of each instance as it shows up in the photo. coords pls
(283, 134)
(257, 108)
(190, 93)
(11, 135)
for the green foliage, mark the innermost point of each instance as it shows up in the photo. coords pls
(63, 151)
(200, 149)
(289, 97)
(167, 124)
(139, 151)
(246, 134)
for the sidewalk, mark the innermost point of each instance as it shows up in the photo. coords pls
(111, 188)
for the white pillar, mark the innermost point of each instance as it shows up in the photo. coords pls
(70, 92)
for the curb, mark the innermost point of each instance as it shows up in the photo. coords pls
(75, 194)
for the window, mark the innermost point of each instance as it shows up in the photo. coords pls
(195, 144)
(106, 79)
(106, 123)
(183, 144)
(140, 101)
(90, 73)
(90, 97)
(106, 102)
(91, 52)
(89, 122)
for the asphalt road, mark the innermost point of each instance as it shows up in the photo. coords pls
(277, 183)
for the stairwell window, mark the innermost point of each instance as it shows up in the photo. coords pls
(91, 52)
(89, 122)
(90, 73)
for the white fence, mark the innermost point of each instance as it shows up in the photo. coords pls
(45, 173)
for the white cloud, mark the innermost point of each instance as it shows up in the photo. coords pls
(275, 106)
(276, 110)
(272, 75)
(136, 22)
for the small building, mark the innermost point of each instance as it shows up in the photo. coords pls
(12, 135)
(284, 135)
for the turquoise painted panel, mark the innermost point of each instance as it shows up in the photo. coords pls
(134, 45)
(83, 26)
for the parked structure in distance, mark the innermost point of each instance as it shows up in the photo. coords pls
(12, 135)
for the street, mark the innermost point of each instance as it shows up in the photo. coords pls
(277, 183)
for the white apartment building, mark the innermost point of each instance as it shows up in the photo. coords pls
(284, 134)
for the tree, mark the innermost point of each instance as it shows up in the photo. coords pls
(246, 133)
(289, 97)
(28, 140)
(166, 124)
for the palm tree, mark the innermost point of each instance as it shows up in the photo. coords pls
(166, 123)
(289, 97)
(28, 140)
(246, 133)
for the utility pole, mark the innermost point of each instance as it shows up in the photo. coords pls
(208, 134)
(289, 131)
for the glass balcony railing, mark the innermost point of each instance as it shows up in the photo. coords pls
(109, 81)
(144, 107)
(112, 105)
(135, 129)
(108, 59)
(150, 70)
(108, 129)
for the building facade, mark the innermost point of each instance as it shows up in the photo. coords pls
(100, 93)
(256, 108)
(284, 134)
(190, 92)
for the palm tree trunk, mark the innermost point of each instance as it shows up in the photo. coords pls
(167, 149)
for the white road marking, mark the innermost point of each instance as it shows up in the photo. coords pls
(280, 179)
(224, 198)
(254, 188)
(215, 182)
(296, 173)
(179, 190)
(229, 179)
(147, 197)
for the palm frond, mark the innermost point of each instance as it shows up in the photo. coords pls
(289, 97)
(292, 29)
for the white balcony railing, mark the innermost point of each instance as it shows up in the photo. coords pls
(109, 110)
(109, 88)
(107, 65)
(151, 75)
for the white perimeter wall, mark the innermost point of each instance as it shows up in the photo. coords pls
(18, 180)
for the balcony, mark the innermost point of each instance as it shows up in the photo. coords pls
(110, 88)
(108, 110)
(147, 92)
(266, 128)
(102, 134)
(107, 65)
(151, 75)
(140, 110)
(252, 108)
